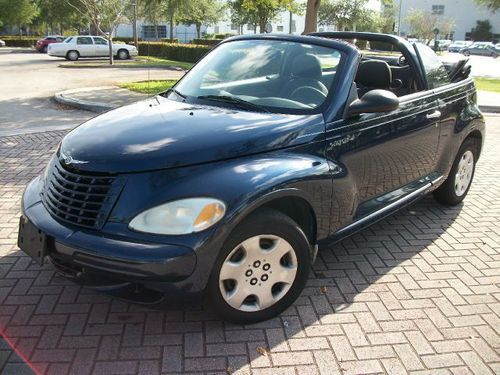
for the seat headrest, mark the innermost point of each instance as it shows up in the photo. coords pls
(306, 66)
(375, 74)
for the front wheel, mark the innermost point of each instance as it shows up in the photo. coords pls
(457, 185)
(261, 269)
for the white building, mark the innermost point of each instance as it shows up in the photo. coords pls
(464, 13)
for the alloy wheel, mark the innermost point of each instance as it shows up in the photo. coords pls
(258, 273)
(463, 177)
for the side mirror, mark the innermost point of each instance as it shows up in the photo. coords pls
(374, 101)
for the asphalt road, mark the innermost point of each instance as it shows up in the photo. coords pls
(28, 81)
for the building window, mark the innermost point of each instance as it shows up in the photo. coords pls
(250, 27)
(280, 28)
(148, 31)
(438, 9)
(216, 29)
(234, 27)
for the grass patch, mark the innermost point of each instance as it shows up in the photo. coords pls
(487, 84)
(163, 62)
(148, 87)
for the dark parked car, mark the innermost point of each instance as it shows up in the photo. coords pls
(270, 147)
(41, 45)
(481, 50)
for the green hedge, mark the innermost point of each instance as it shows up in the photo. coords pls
(173, 51)
(206, 42)
(19, 41)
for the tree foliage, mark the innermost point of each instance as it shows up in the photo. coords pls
(482, 31)
(492, 5)
(346, 15)
(17, 12)
(422, 24)
(261, 12)
(202, 12)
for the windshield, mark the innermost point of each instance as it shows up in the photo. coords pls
(274, 75)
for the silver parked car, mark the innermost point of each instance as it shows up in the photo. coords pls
(75, 47)
(481, 49)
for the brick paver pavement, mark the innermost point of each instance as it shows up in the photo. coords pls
(418, 292)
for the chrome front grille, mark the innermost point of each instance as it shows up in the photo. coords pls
(81, 199)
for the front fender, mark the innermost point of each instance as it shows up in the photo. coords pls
(244, 184)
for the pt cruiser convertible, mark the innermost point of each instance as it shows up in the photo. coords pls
(271, 146)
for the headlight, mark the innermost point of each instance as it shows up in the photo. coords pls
(180, 217)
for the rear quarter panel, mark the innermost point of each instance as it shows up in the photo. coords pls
(460, 116)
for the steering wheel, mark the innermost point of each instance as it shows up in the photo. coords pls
(402, 61)
(308, 95)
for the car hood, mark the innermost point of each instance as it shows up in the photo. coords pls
(160, 133)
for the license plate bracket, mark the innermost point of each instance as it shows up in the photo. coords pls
(32, 240)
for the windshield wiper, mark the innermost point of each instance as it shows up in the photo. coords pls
(176, 93)
(234, 100)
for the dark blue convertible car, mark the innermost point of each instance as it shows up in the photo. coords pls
(270, 147)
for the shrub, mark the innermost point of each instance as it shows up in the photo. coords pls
(19, 41)
(173, 51)
(206, 42)
(167, 40)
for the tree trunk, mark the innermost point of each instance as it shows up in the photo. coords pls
(172, 28)
(262, 25)
(198, 30)
(110, 45)
(311, 16)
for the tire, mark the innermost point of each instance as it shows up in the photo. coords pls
(267, 231)
(44, 49)
(454, 189)
(72, 55)
(466, 53)
(122, 54)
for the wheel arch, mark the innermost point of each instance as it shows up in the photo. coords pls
(292, 202)
(477, 137)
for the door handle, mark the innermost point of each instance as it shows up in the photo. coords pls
(433, 115)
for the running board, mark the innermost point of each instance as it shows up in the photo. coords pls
(386, 209)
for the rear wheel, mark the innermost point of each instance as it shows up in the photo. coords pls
(261, 270)
(457, 185)
(72, 55)
(123, 54)
(44, 49)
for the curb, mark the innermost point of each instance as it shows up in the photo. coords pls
(64, 97)
(489, 108)
(121, 66)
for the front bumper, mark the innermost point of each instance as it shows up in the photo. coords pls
(158, 266)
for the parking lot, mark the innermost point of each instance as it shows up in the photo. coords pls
(30, 80)
(418, 292)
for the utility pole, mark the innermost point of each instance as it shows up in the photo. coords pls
(399, 17)
(134, 25)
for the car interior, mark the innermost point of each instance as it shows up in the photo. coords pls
(298, 76)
